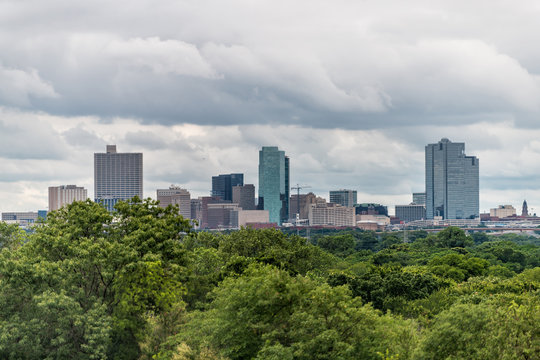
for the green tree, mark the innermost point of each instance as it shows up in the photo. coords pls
(453, 237)
(100, 269)
(267, 313)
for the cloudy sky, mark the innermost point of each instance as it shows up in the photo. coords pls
(351, 90)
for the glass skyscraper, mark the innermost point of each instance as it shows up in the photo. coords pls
(452, 187)
(117, 176)
(344, 197)
(274, 187)
(223, 184)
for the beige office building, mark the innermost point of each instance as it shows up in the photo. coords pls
(503, 211)
(245, 217)
(175, 195)
(62, 195)
(331, 214)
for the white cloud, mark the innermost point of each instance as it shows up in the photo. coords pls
(17, 86)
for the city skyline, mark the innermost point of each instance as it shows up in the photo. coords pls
(350, 90)
(150, 192)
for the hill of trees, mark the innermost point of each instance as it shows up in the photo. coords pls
(139, 284)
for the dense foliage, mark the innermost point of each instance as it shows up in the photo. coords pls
(139, 284)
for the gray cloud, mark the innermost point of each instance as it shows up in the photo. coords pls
(352, 91)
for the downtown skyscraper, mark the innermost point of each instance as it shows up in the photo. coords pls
(117, 176)
(274, 186)
(452, 181)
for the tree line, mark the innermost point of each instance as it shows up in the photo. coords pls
(140, 284)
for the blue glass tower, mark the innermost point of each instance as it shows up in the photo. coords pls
(452, 181)
(274, 184)
(223, 184)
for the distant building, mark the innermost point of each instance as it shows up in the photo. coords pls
(452, 187)
(343, 197)
(62, 195)
(222, 185)
(274, 186)
(117, 176)
(196, 211)
(306, 200)
(331, 214)
(378, 219)
(219, 215)
(410, 212)
(370, 209)
(175, 195)
(419, 198)
(205, 201)
(524, 209)
(24, 217)
(244, 196)
(241, 217)
(503, 211)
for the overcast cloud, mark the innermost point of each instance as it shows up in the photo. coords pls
(351, 90)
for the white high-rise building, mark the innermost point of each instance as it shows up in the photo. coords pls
(117, 176)
(62, 195)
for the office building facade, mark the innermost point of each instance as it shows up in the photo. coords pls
(410, 212)
(274, 186)
(343, 197)
(62, 195)
(419, 198)
(244, 196)
(452, 182)
(175, 195)
(117, 176)
(222, 185)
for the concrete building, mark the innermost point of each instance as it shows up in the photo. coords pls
(419, 198)
(343, 197)
(410, 212)
(244, 196)
(378, 219)
(331, 214)
(219, 215)
(222, 185)
(503, 211)
(23, 217)
(452, 187)
(204, 202)
(274, 186)
(196, 212)
(306, 200)
(117, 176)
(175, 195)
(244, 218)
(62, 195)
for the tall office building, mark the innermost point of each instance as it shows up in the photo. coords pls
(175, 195)
(64, 195)
(244, 196)
(452, 189)
(117, 176)
(274, 187)
(222, 185)
(343, 197)
(419, 198)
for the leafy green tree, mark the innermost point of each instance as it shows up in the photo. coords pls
(267, 313)
(340, 245)
(453, 237)
(101, 270)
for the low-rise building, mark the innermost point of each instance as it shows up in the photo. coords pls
(331, 214)
(503, 211)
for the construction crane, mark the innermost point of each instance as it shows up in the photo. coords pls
(298, 187)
